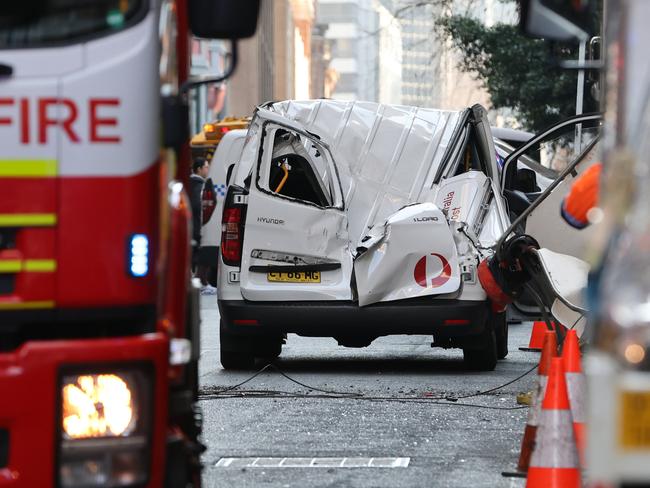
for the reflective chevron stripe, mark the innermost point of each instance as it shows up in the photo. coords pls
(11, 266)
(27, 168)
(27, 220)
(39, 265)
(26, 305)
(29, 265)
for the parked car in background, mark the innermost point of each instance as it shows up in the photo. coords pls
(227, 134)
(355, 220)
(513, 138)
(204, 143)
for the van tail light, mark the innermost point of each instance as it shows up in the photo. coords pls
(208, 201)
(232, 225)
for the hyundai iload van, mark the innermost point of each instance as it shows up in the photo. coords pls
(355, 220)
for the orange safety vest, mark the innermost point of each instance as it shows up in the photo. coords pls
(582, 197)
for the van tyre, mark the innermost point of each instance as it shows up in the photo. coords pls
(234, 353)
(270, 350)
(237, 360)
(500, 326)
(240, 351)
(485, 357)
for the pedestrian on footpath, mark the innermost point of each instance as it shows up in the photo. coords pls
(200, 169)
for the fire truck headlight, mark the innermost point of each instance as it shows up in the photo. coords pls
(105, 427)
(97, 406)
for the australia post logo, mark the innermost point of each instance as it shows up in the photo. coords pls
(38, 119)
(432, 271)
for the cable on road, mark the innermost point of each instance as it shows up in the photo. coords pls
(235, 392)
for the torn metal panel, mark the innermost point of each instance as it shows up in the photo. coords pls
(412, 254)
(386, 155)
(567, 280)
(383, 163)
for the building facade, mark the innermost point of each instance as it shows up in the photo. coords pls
(275, 64)
(365, 46)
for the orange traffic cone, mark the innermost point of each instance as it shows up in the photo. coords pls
(536, 342)
(576, 385)
(527, 443)
(554, 463)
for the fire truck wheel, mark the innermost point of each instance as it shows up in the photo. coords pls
(485, 357)
(500, 326)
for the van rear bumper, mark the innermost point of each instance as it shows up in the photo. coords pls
(440, 317)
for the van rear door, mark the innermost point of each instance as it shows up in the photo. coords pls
(296, 239)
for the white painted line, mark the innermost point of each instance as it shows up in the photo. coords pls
(224, 462)
(316, 462)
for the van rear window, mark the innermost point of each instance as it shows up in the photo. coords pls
(55, 22)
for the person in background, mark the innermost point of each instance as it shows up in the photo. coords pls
(200, 169)
(582, 197)
(578, 204)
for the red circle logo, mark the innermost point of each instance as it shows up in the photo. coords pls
(420, 272)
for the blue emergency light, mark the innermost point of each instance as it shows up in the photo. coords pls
(139, 255)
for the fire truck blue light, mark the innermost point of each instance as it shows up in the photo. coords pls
(139, 258)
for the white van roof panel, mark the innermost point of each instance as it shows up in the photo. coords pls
(387, 156)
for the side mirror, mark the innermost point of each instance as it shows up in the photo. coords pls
(175, 114)
(526, 181)
(223, 19)
(557, 20)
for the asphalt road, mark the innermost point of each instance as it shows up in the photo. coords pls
(386, 404)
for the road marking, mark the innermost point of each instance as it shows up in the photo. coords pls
(316, 462)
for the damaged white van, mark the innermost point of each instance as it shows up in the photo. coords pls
(355, 220)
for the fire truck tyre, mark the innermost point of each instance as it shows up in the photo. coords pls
(178, 469)
(485, 357)
(500, 326)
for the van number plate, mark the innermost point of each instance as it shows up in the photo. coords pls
(295, 277)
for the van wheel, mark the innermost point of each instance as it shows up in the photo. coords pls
(500, 326)
(269, 351)
(234, 352)
(237, 360)
(484, 358)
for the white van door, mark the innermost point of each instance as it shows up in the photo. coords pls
(295, 239)
(529, 170)
(553, 158)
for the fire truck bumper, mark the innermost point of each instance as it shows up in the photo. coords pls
(38, 449)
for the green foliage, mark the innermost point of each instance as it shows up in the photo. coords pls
(516, 71)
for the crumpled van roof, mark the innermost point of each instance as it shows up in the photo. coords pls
(387, 156)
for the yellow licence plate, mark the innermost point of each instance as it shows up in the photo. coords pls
(634, 420)
(295, 277)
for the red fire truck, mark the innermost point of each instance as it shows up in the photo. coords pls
(99, 329)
